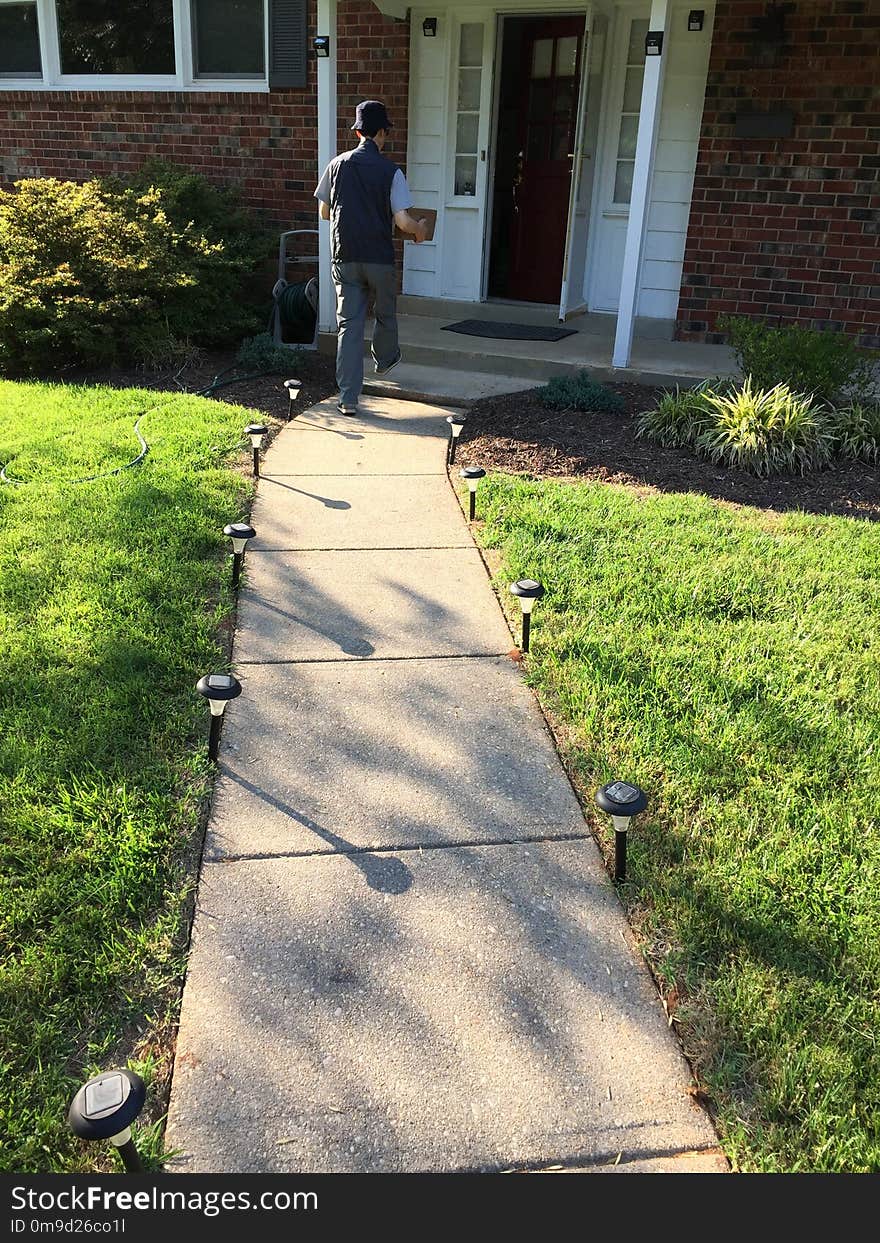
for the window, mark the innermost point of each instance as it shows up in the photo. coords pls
(228, 38)
(102, 36)
(154, 44)
(467, 116)
(631, 107)
(19, 42)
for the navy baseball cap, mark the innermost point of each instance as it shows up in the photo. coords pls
(371, 117)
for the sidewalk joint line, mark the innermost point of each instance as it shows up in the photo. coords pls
(464, 844)
(354, 474)
(402, 548)
(372, 660)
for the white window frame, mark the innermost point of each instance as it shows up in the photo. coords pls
(183, 80)
(612, 107)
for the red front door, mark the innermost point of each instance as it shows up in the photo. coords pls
(551, 67)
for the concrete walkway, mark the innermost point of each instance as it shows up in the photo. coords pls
(407, 954)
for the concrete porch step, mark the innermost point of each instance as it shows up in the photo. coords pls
(425, 344)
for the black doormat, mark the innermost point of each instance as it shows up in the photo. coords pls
(507, 332)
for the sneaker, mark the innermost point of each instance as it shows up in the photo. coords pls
(345, 407)
(384, 370)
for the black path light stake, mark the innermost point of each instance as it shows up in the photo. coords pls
(472, 475)
(456, 423)
(528, 590)
(293, 387)
(239, 533)
(105, 1107)
(256, 431)
(622, 802)
(218, 689)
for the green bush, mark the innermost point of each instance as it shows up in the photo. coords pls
(680, 416)
(857, 431)
(580, 392)
(260, 353)
(828, 365)
(100, 272)
(766, 431)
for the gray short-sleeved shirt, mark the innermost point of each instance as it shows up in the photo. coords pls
(401, 199)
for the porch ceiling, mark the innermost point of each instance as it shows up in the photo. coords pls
(397, 8)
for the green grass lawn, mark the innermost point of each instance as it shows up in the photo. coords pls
(726, 660)
(112, 599)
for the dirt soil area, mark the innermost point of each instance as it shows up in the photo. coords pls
(516, 433)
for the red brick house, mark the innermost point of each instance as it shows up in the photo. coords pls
(642, 159)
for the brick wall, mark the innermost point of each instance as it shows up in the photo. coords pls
(789, 229)
(266, 144)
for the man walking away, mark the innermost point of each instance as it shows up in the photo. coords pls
(363, 195)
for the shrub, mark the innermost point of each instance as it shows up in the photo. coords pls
(580, 392)
(260, 353)
(100, 273)
(766, 431)
(827, 365)
(680, 416)
(857, 432)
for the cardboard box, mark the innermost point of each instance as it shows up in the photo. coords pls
(420, 213)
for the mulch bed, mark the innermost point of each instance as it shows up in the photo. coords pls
(516, 433)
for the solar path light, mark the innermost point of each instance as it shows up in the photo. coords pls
(472, 476)
(218, 689)
(456, 423)
(527, 590)
(105, 1107)
(622, 802)
(293, 388)
(239, 533)
(256, 431)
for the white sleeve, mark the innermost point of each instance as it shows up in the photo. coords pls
(322, 191)
(401, 199)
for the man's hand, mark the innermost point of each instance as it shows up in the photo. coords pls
(418, 229)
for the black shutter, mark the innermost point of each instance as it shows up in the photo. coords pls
(288, 35)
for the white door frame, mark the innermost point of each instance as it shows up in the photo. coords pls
(525, 10)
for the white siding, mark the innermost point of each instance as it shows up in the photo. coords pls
(675, 159)
(425, 154)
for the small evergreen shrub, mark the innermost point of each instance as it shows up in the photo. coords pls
(102, 272)
(260, 353)
(766, 431)
(828, 365)
(857, 432)
(580, 392)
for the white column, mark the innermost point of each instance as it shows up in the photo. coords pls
(649, 119)
(326, 152)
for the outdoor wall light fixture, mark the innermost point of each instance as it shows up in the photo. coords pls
(239, 533)
(654, 43)
(218, 689)
(429, 27)
(472, 475)
(293, 389)
(256, 431)
(527, 591)
(622, 802)
(105, 1107)
(696, 18)
(456, 423)
(321, 45)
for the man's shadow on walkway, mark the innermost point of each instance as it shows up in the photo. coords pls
(385, 873)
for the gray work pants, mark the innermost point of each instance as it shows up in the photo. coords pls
(355, 282)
